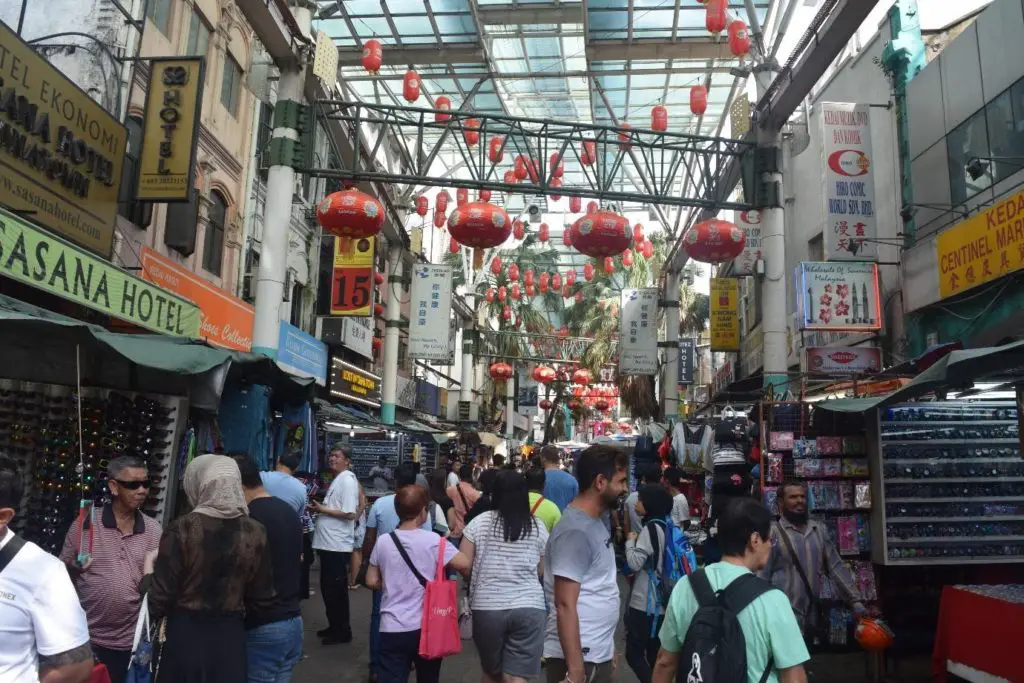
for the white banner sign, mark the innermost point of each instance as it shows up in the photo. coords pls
(357, 336)
(844, 360)
(838, 296)
(849, 182)
(750, 223)
(431, 309)
(638, 332)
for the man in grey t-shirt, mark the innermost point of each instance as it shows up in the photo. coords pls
(580, 576)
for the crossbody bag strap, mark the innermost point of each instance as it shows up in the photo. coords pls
(465, 504)
(536, 505)
(405, 556)
(812, 598)
(8, 552)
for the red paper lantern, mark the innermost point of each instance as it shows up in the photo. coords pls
(461, 196)
(543, 232)
(648, 250)
(480, 225)
(659, 118)
(442, 201)
(544, 280)
(519, 167)
(506, 313)
(378, 278)
(496, 149)
(698, 100)
(518, 230)
(570, 278)
(543, 374)
(557, 169)
(496, 265)
(373, 55)
(627, 258)
(378, 310)
(555, 184)
(592, 207)
(609, 265)
(601, 233)
(573, 404)
(588, 271)
(529, 290)
(439, 218)
(350, 214)
(472, 132)
(422, 205)
(513, 272)
(575, 204)
(566, 291)
(411, 86)
(544, 404)
(442, 105)
(453, 246)
(582, 377)
(739, 38)
(501, 371)
(638, 233)
(510, 178)
(714, 241)
(533, 170)
(717, 16)
(601, 405)
(567, 237)
(556, 281)
(579, 297)
(489, 295)
(624, 129)
(589, 155)
(515, 292)
(502, 294)
(377, 343)
(528, 278)
(485, 196)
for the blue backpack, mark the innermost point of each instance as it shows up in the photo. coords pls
(678, 561)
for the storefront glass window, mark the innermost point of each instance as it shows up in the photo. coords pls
(1003, 136)
(968, 141)
(213, 244)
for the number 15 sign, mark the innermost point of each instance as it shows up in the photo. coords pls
(352, 280)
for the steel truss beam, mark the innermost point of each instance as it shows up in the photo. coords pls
(654, 156)
(546, 348)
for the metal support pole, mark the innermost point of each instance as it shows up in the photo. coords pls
(670, 379)
(277, 215)
(510, 409)
(392, 319)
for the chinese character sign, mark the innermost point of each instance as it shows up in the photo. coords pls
(686, 347)
(725, 314)
(431, 306)
(850, 223)
(838, 296)
(750, 223)
(638, 332)
(982, 248)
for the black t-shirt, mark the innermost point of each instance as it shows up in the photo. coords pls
(284, 543)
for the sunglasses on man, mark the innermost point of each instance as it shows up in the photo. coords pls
(133, 485)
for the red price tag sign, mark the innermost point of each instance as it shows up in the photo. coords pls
(352, 291)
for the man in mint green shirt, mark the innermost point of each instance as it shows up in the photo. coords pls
(769, 626)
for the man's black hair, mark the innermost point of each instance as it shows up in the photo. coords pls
(649, 472)
(290, 460)
(674, 476)
(405, 475)
(12, 485)
(598, 460)
(535, 479)
(466, 473)
(742, 517)
(248, 469)
(789, 483)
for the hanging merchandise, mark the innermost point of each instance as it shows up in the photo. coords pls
(350, 214)
(461, 196)
(543, 232)
(485, 196)
(513, 272)
(717, 16)
(713, 241)
(480, 225)
(554, 185)
(659, 118)
(519, 167)
(472, 132)
(442, 105)
(739, 38)
(600, 233)
(575, 204)
(496, 149)
(422, 205)
(557, 169)
(442, 201)
(624, 136)
(411, 86)
(588, 271)
(373, 55)
(589, 155)
(518, 230)
(609, 265)
(501, 371)
(698, 100)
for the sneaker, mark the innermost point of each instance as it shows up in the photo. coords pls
(336, 639)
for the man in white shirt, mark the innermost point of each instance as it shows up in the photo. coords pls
(45, 634)
(334, 539)
(680, 506)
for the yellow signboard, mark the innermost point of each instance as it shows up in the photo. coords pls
(44, 261)
(982, 248)
(174, 101)
(725, 314)
(60, 152)
(352, 280)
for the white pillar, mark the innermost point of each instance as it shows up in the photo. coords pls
(510, 408)
(670, 380)
(392, 317)
(468, 338)
(774, 292)
(277, 216)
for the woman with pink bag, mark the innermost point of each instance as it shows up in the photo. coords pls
(418, 610)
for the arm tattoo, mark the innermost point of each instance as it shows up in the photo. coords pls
(76, 655)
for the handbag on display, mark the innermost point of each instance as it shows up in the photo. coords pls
(140, 667)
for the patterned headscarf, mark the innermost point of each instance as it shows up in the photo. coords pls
(213, 485)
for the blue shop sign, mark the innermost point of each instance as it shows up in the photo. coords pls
(427, 397)
(301, 354)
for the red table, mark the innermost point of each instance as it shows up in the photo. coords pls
(980, 632)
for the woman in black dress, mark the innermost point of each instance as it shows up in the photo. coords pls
(213, 567)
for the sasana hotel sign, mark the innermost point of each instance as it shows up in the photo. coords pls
(60, 152)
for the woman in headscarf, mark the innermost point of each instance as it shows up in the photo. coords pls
(213, 566)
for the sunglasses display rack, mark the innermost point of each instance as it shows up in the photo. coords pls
(39, 429)
(951, 480)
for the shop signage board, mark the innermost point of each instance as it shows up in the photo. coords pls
(54, 265)
(607, 374)
(405, 393)
(847, 169)
(429, 328)
(353, 384)
(427, 397)
(352, 278)
(838, 296)
(638, 332)
(528, 391)
(301, 354)
(724, 376)
(982, 248)
(750, 223)
(844, 360)
(752, 352)
(358, 336)
(61, 153)
(686, 361)
(725, 314)
(170, 131)
(226, 321)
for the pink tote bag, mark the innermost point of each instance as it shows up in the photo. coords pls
(439, 630)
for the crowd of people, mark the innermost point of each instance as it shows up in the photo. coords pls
(537, 548)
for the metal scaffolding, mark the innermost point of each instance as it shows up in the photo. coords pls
(545, 348)
(657, 158)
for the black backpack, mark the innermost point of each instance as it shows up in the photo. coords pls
(714, 650)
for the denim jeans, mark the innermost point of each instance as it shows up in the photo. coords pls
(273, 650)
(375, 634)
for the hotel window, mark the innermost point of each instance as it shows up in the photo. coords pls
(213, 244)
(159, 12)
(198, 36)
(231, 85)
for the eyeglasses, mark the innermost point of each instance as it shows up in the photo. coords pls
(132, 485)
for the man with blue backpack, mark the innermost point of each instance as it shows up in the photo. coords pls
(723, 624)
